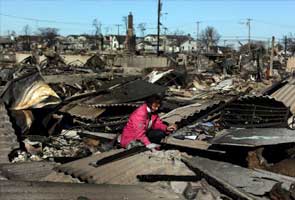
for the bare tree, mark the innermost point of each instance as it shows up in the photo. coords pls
(106, 30)
(125, 21)
(98, 35)
(290, 43)
(27, 30)
(142, 28)
(178, 32)
(48, 34)
(97, 26)
(209, 37)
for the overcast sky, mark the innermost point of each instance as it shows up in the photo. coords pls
(269, 17)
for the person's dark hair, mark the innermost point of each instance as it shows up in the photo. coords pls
(153, 99)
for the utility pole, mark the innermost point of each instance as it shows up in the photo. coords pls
(248, 23)
(198, 29)
(224, 42)
(0, 17)
(159, 24)
(286, 45)
(118, 28)
(272, 55)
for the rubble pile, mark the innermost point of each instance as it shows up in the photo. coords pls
(234, 137)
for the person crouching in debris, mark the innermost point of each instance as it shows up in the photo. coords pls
(145, 127)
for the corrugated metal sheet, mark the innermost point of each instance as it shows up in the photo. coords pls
(125, 171)
(101, 105)
(29, 91)
(286, 94)
(259, 99)
(82, 111)
(256, 112)
(19, 190)
(8, 139)
(255, 137)
(178, 114)
(60, 177)
(29, 171)
(183, 113)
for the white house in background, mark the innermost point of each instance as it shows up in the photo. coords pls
(168, 43)
(188, 46)
(117, 42)
(151, 38)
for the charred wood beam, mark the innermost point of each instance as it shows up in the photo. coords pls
(160, 177)
(119, 156)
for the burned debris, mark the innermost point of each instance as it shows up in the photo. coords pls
(62, 126)
(227, 120)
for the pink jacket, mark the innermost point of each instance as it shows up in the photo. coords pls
(137, 126)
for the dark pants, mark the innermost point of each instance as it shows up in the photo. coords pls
(155, 136)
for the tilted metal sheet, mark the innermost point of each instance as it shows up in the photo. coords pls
(29, 91)
(124, 171)
(286, 94)
(182, 113)
(130, 92)
(84, 112)
(178, 114)
(38, 95)
(91, 112)
(253, 182)
(8, 139)
(28, 190)
(255, 137)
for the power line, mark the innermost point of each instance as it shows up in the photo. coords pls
(274, 24)
(43, 20)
